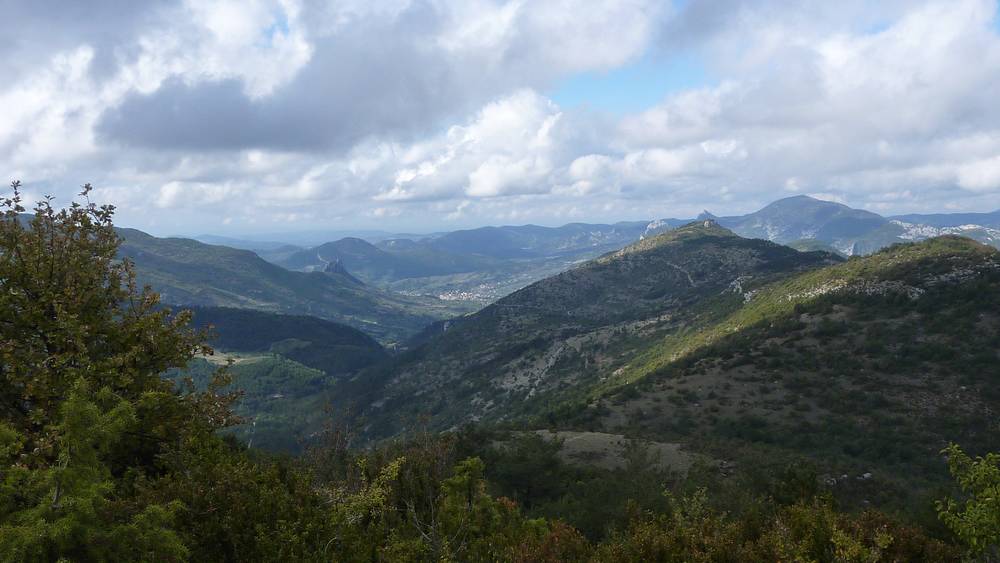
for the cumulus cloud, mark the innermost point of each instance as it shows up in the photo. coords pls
(980, 175)
(392, 73)
(420, 112)
(507, 148)
(850, 111)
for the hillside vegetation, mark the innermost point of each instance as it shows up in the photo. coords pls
(867, 369)
(283, 366)
(335, 349)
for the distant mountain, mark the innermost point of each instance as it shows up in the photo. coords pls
(188, 272)
(466, 251)
(390, 261)
(478, 266)
(802, 217)
(304, 239)
(243, 244)
(916, 231)
(472, 266)
(808, 223)
(272, 251)
(532, 241)
(991, 220)
(850, 231)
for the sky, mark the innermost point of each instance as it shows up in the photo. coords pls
(253, 116)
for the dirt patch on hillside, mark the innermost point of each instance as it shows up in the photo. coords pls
(610, 451)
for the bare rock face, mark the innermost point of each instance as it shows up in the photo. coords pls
(336, 268)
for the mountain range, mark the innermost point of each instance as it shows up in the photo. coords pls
(803, 220)
(482, 265)
(708, 337)
(393, 287)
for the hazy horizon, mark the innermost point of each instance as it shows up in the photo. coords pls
(316, 235)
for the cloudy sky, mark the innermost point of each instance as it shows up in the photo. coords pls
(251, 116)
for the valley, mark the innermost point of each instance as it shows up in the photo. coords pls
(188, 272)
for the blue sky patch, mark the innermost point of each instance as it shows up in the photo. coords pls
(633, 87)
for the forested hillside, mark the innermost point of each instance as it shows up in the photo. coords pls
(866, 369)
(335, 349)
(283, 366)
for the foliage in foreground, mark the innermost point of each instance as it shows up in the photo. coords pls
(101, 459)
(975, 519)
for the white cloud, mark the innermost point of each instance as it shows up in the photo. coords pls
(506, 148)
(193, 194)
(50, 116)
(259, 41)
(980, 175)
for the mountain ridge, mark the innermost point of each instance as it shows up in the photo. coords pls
(650, 283)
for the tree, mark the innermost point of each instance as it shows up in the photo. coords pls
(976, 519)
(84, 413)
